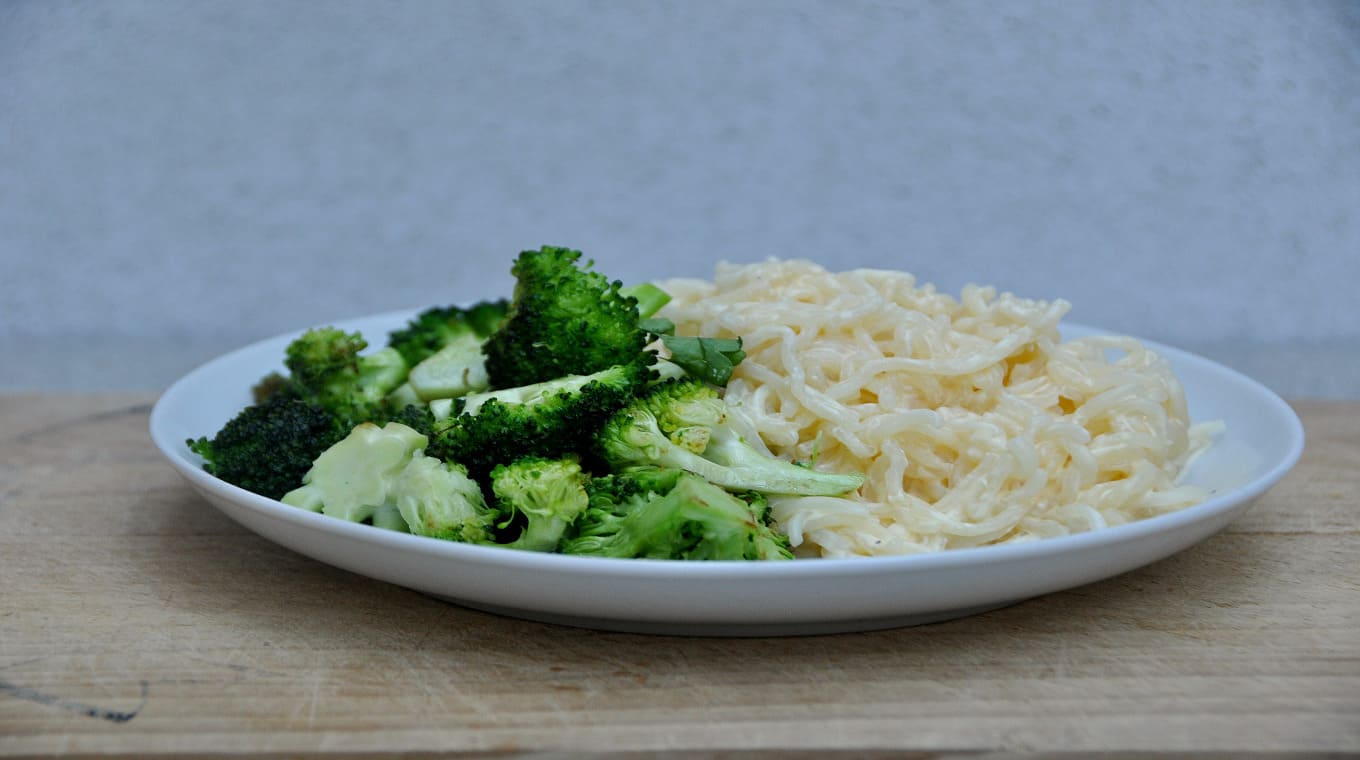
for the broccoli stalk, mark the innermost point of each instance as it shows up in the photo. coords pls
(683, 424)
(650, 298)
(671, 514)
(549, 494)
(454, 370)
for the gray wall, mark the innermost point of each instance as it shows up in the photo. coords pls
(178, 178)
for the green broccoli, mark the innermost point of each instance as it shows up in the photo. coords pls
(267, 448)
(329, 389)
(547, 494)
(563, 320)
(671, 514)
(684, 424)
(354, 478)
(326, 368)
(383, 475)
(769, 543)
(436, 328)
(481, 424)
(438, 499)
(547, 419)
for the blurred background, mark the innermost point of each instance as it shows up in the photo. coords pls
(178, 179)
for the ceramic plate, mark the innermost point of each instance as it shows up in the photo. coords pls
(1263, 441)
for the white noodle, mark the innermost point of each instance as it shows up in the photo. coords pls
(971, 418)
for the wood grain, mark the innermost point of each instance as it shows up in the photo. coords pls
(135, 620)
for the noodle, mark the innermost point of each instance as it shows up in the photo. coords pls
(973, 421)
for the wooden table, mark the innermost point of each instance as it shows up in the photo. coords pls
(135, 620)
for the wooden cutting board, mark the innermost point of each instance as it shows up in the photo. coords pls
(135, 621)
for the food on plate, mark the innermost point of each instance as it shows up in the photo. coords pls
(523, 424)
(777, 409)
(650, 511)
(973, 421)
(683, 424)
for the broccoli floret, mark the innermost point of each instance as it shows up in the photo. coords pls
(354, 478)
(684, 424)
(548, 494)
(268, 447)
(327, 369)
(618, 488)
(564, 320)
(544, 419)
(568, 320)
(436, 328)
(383, 475)
(769, 543)
(330, 388)
(671, 514)
(439, 500)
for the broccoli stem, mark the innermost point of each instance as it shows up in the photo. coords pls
(649, 297)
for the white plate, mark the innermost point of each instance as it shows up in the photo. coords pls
(1263, 441)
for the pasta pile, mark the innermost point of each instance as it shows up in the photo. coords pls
(973, 421)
